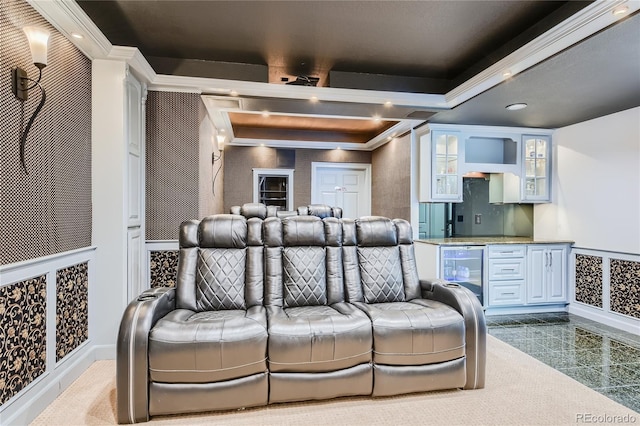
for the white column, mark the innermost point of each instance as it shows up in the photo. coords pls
(108, 295)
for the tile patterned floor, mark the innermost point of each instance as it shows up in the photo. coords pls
(601, 357)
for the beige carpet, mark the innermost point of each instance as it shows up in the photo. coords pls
(520, 390)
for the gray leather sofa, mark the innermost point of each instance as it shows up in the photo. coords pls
(300, 308)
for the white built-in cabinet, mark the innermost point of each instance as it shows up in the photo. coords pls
(546, 273)
(536, 185)
(527, 275)
(506, 275)
(518, 161)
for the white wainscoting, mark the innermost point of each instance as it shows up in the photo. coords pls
(604, 314)
(23, 407)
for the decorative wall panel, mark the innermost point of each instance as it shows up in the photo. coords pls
(72, 308)
(625, 287)
(172, 162)
(48, 210)
(589, 280)
(23, 348)
(163, 268)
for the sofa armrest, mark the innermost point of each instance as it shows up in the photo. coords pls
(132, 369)
(466, 303)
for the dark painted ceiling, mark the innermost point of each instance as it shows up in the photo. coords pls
(411, 46)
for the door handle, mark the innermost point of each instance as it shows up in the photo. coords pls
(550, 261)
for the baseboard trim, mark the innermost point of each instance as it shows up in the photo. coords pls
(621, 322)
(31, 401)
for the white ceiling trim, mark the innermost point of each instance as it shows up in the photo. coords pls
(218, 109)
(581, 25)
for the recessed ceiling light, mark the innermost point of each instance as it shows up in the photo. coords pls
(338, 148)
(77, 35)
(265, 113)
(314, 99)
(376, 118)
(506, 74)
(261, 144)
(233, 93)
(515, 107)
(388, 104)
(620, 10)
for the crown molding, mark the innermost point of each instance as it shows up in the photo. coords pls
(136, 61)
(213, 86)
(572, 30)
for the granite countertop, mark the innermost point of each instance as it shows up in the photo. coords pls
(481, 241)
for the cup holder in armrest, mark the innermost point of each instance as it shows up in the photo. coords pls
(146, 297)
(452, 285)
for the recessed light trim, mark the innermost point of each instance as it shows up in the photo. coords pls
(516, 106)
(620, 10)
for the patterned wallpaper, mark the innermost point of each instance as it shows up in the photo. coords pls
(72, 308)
(625, 287)
(391, 179)
(23, 349)
(589, 280)
(239, 162)
(47, 211)
(163, 268)
(172, 162)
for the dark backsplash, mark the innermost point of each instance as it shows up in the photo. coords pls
(475, 216)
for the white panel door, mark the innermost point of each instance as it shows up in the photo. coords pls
(556, 286)
(537, 261)
(347, 188)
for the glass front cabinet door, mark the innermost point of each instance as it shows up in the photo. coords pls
(446, 154)
(537, 168)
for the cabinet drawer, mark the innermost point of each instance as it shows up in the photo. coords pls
(506, 251)
(506, 269)
(504, 293)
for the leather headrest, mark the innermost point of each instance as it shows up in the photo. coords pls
(250, 210)
(375, 231)
(303, 231)
(223, 231)
(320, 210)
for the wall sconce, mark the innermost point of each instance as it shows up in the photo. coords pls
(38, 38)
(220, 139)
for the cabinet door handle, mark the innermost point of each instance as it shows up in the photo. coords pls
(509, 294)
(546, 260)
(550, 261)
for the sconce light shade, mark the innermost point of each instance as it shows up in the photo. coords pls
(38, 39)
(220, 139)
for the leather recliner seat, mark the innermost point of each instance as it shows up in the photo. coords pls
(319, 345)
(418, 344)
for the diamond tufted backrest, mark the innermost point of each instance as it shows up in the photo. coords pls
(220, 265)
(303, 261)
(379, 261)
